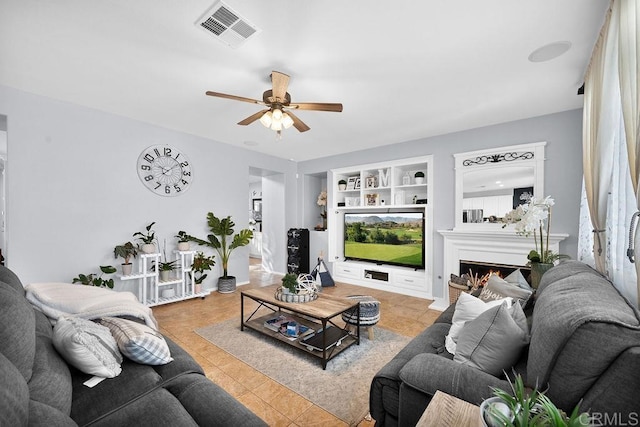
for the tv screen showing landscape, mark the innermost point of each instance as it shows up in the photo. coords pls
(392, 238)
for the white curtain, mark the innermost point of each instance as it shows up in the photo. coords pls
(611, 154)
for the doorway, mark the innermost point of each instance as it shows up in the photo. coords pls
(266, 207)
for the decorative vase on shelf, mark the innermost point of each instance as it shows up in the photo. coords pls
(537, 270)
(165, 275)
(419, 180)
(126, 269)
(342, 187)
(149, 248)
(197, 288)
(183, 246)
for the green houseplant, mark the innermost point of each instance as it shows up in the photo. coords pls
(183, 241)
(94, 279)
(148, 239)
(201, 263)
(223, 240)
(290, 283)
(519, 407)
(419, 177)
(342, 185)
(126, 251)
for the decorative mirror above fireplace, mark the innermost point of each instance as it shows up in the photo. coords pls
(489, 183)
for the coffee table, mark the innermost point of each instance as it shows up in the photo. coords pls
(317, 314)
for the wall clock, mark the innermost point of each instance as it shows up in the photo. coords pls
(164, 170)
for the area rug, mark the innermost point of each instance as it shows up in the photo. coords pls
(342, 389)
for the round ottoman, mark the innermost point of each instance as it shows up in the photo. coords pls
(369, 313)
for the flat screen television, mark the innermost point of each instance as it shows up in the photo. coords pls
(391, 238)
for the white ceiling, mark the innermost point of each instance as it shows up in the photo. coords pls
(403, 69)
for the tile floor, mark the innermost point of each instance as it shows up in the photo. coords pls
(274, 403)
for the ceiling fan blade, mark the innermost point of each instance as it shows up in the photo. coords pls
(252, 118)
(234, 97)
(317, 106)
(280, 84)
(297, 123)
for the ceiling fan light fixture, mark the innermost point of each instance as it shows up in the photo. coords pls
(276, 125)
(277, 114)
(287, 121)
(266, 119)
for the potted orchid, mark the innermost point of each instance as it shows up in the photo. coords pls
(534, 218)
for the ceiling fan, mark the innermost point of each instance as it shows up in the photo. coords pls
(279, 116)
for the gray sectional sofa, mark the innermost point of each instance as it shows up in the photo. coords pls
(584, 347)
(38, 388)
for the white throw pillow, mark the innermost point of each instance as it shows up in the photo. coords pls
(138, 342)
(87, 346)
(467, 308)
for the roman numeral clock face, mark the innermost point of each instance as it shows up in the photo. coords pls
(164, 170)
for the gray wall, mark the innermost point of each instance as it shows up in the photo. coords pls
(73, 192)
(563, 170)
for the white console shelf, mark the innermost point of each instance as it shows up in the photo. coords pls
(386, 187)
(150, 286)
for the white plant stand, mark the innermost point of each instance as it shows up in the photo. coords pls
(150, 287)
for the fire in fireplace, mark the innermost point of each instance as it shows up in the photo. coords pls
(485, 269)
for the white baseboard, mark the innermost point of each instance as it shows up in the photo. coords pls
(439, 304)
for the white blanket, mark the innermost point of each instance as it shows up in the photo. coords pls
(87, 302)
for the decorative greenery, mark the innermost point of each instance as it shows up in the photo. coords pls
(290, 281)
(97, 280)
(221, 232)
(126, 251)
(342, 181)
(147, 238)
(201, 263)
(182, 236)
(532, 409)
(419, 174)
(167, 265)
(534, 217)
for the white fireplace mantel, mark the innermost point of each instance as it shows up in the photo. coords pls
(490, 246)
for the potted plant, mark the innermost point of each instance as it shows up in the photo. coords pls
(183, 241)
(96, 280)
(221, 232)
(126, 251)
(165, 268)
(342, 185)
(201, 263)
(419, 177)
(520, 408)
(148, 238)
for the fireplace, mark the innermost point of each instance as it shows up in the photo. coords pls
(482, 269)
(498, 246)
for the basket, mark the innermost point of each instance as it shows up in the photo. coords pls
(455, 290)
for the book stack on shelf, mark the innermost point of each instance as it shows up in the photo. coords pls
(287, 326)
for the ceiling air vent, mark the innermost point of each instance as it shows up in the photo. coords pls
(226, 25)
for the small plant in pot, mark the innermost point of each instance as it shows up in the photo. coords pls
(148, 239)
(183, 241)
(419, 177)
(342, 185)
(126, 251)
(94, 279)
(520, 407)
(165, 268)
(221, 232)
(290, 287)
(201, 263)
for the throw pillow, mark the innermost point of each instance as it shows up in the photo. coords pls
(497, 288)
(138, 342)
(87, 346)
(467, 308)
(494, 340)
(516, 278)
